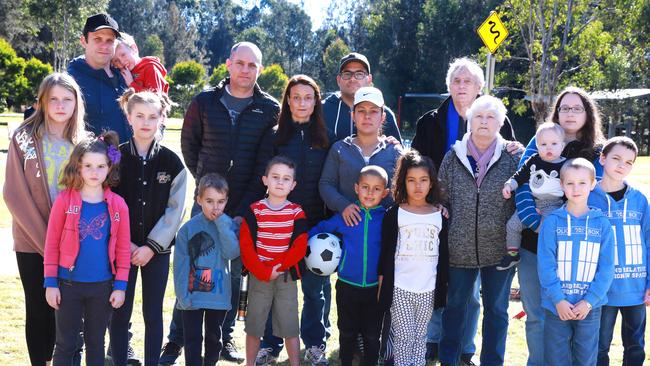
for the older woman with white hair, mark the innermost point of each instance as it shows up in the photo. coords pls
(473, 173)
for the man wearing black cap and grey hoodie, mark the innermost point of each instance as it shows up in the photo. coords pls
(100, 84)
(354, 73)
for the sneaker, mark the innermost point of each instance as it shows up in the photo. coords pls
(169, 354)
(432, 351)
(466, 360)
(229, 353)
(316, 355)
(508, 261)
(132, 358)
(265, 356)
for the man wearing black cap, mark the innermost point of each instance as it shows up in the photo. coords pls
(100, 84)
(354, 73)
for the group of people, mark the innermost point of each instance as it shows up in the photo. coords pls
(426, 232)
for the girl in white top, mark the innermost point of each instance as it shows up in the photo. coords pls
(417, 254)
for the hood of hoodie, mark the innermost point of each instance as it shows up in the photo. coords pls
(460, 148)
(79, 64)
(150, 61)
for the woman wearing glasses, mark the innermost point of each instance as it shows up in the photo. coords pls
(578, 115)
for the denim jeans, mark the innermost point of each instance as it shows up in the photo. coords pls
(315, 325)
(176, 326)
(531, 292)
(434, 328)
(495, 294)
(632, 333)
(571, 342)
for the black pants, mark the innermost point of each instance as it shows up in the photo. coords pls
(154, 282)
(193, 322)
(358, 313)
(39, 316)
(87, 301)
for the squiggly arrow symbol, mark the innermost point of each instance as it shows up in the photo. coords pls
(494, 31)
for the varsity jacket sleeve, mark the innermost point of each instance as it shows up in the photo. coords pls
(526, 207)
(390, 125)
(52, 241)
(20, 202)
(547, 261)
(298, 247)
(227, 238)
(162, 234)
(122, 247)
(191, 133)
(329, 181)
(249, 256)
(182, 269)
(605, 269)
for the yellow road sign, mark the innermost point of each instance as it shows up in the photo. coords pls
(492, 32)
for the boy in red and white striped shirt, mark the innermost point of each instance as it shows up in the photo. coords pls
(273, 240)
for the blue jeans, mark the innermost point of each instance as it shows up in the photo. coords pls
(571, 342)
(632, 333)
(434, 328)
(531, 292)
(315, 325)
(495, 287)
(154, 282)
(176, 326)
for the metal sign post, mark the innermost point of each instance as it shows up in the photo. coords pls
(492, 33)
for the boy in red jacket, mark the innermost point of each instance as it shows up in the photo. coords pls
(140, 73)
(273, 239)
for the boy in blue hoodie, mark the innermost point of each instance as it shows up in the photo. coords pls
(628, 212)
(356, 289)
(575, 266)
(204, 245)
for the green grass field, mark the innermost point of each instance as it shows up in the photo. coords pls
(14, 351)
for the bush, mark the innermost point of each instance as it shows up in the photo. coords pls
(186, 79)
(218, 74)
(273, 80)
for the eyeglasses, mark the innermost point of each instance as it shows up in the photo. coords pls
(359, 75)
(576, 109)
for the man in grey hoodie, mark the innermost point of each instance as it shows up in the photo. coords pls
(354, 73)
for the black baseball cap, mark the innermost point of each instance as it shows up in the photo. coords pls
(101, 21)
(354, 57)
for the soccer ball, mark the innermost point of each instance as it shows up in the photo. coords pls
(323, 254)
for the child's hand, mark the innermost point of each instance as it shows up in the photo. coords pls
(134, 247)
(392, 140)
(581, 309)
(646, 299)
(351, 215)
(206, 276)
(565, 310)
(126, 74)
(506, 192)
(116, 299)
(141, 256)
(274, 272)
(116, 63)
(53, 297)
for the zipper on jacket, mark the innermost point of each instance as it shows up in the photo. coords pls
(365, 247)
(478, 193)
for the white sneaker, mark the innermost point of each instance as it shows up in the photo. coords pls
(316, 356)
(265, 357)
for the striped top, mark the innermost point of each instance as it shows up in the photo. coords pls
(274, 228)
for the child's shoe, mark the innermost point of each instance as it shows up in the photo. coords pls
(170, 352)
(508, 261)
(316, 356)
(265, 356)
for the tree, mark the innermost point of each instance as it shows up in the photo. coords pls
(273, 80)
(65, 20)
(179, 37)
(153, 46)
(186, 79)
(331, 58)
(11, 73)
(34, 73)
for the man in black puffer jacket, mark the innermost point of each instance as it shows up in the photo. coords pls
(223, 132)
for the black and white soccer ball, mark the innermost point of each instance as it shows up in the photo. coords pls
(323, 253)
